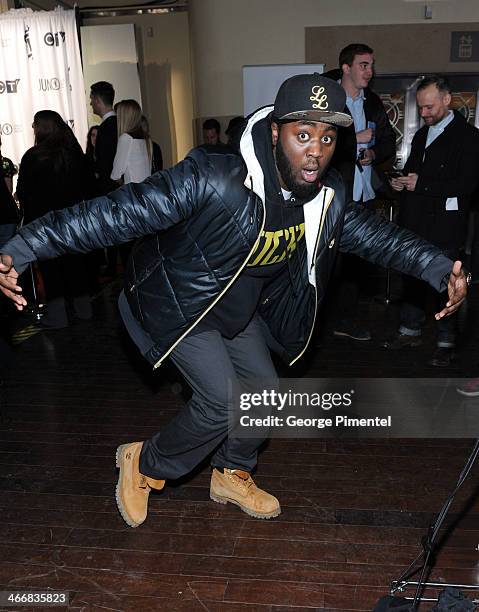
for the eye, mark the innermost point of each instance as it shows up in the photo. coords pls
(327, 139)
(303, 136)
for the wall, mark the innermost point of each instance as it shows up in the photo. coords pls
(109, 53)
(227, 34)
(419, 48)
(165, 77)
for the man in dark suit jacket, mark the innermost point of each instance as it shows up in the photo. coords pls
(102, 95)
(378, 143)
(368, 142)
(439, 179)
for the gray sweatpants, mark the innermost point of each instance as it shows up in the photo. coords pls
(209, 362)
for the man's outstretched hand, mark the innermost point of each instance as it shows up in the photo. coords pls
(456, 289)
(8, 282)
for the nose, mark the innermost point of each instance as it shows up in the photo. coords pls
(315, 149)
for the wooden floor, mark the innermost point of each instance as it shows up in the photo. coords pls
(353, 514)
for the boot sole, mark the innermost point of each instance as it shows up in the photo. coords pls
(225, 500)
(119, 504)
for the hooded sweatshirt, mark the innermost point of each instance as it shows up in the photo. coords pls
(282, 240)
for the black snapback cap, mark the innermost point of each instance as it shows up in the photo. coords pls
(311, 97)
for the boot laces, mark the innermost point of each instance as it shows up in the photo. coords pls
(244, 477)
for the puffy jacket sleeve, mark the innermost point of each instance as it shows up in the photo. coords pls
(381, 242)
(134, 210)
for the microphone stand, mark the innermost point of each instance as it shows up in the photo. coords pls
(387, 299)
(428, 544)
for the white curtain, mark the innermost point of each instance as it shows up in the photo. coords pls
(40, 68)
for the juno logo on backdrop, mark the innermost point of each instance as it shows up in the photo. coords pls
(53, 84)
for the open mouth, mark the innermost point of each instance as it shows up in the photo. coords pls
(310, 176)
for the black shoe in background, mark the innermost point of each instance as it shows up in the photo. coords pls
(353, 331)
(442, 357)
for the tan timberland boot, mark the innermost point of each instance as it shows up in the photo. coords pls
(238, 487)
(133, 488)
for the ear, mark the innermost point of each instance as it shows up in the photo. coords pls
(447, 99)
(346, 68)
(274, 133)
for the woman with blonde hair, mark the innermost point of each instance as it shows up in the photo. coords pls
(132, 163)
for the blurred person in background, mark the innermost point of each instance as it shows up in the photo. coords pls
(369, 142)
(9, 211)
(132, 163)
(102, 95)
(435, 191)
(90, 150)
(234, 130)
(54, 172)
(9, 169)
(9, 219)
(211, 138)
(95, 259)
(211, 132)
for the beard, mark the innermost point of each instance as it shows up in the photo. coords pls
(301, 190)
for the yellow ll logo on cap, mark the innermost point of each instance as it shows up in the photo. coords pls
(320, 97)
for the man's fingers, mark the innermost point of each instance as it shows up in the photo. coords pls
(6, 262)
(10, 283)
(8, 274)
(456, 289)
(448, 310)
(17, 299)
(456, 268)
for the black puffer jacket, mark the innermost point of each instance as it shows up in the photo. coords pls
(200, 221)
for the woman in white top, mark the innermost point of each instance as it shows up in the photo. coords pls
(132, 163)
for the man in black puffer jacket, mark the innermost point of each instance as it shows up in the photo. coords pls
(235, 255)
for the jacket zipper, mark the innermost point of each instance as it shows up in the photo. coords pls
(313, 263)
(158, 363)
